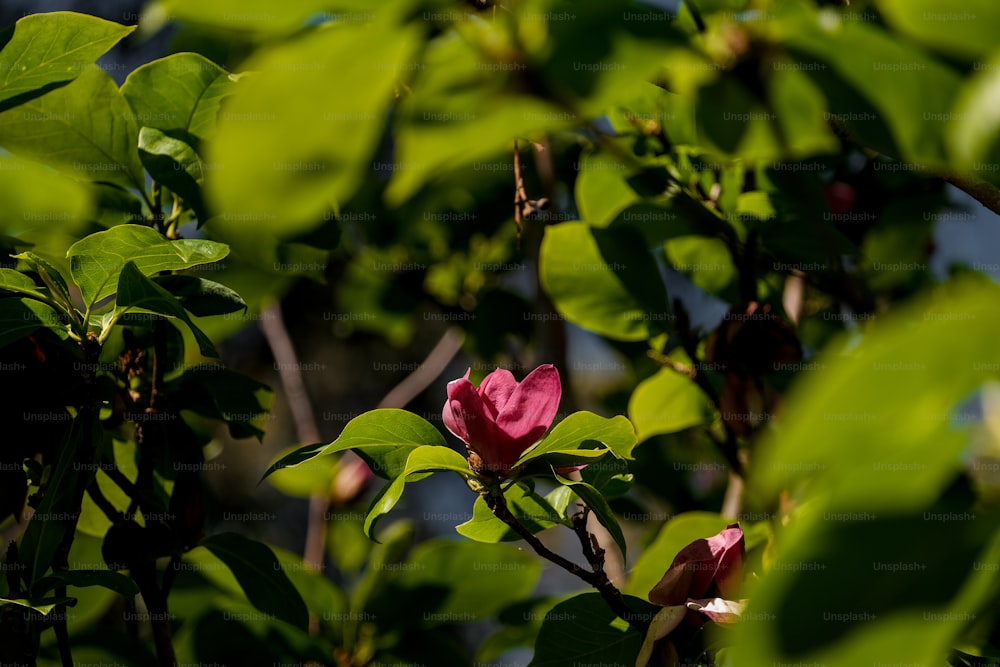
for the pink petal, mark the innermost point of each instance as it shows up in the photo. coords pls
(716, 560)
(453, 417)
(730, 550)
(719, 609)
(529, 412)
(466, 416)
(496, 390)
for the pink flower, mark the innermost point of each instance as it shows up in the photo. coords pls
(502, 418)
(706, 568)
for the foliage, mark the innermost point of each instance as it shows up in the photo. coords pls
(737, 199)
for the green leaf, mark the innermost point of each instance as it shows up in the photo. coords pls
(52, 519)
(602, 190)
(183, 91)
(49, 275)
(457, 114)
(911, 371)
(137, 291)
(97, 259)
(305, 481)
(668, 402)
(584, 631)
(386, 436)
(21, 317)
(419, 463)
(43, 606)
(877, 453)
(299, 136)
(18, 283)
(963, 30)
(84, 128)
(599, 506)
(201, 297)
(478, 579)
(585, 428)
(50, 49)
(114, 581)
(974, 140)
(384, 556)
(38, 201)
(256, 17)
(219, 393)
(260, 575)
(175, 164)
(532, 510)
(673, 536)
(872, 75)
(584, 286)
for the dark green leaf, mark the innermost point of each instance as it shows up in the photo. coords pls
(584, 631)
(201, 297)
(599, 506)
(137, 291)
(114, 581)
(260, 575)
(174, 163)
(219, 393)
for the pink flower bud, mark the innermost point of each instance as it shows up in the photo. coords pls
(706, 568)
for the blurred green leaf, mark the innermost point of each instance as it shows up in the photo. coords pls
(962, 29)
(114, 581)
(477, 580)
(296, 140)
(219, 393)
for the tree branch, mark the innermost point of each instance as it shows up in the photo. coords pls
(595, 555)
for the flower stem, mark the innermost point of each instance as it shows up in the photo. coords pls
(595, 556)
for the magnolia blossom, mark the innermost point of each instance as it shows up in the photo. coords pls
(502, 417)
(703, 578)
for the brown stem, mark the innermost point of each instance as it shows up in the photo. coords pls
(729, 447)
(595, 555)
(273, 327)
(985, 193)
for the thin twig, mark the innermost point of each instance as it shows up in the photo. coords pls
(596, 578)
(429, 370)
(272, 325)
